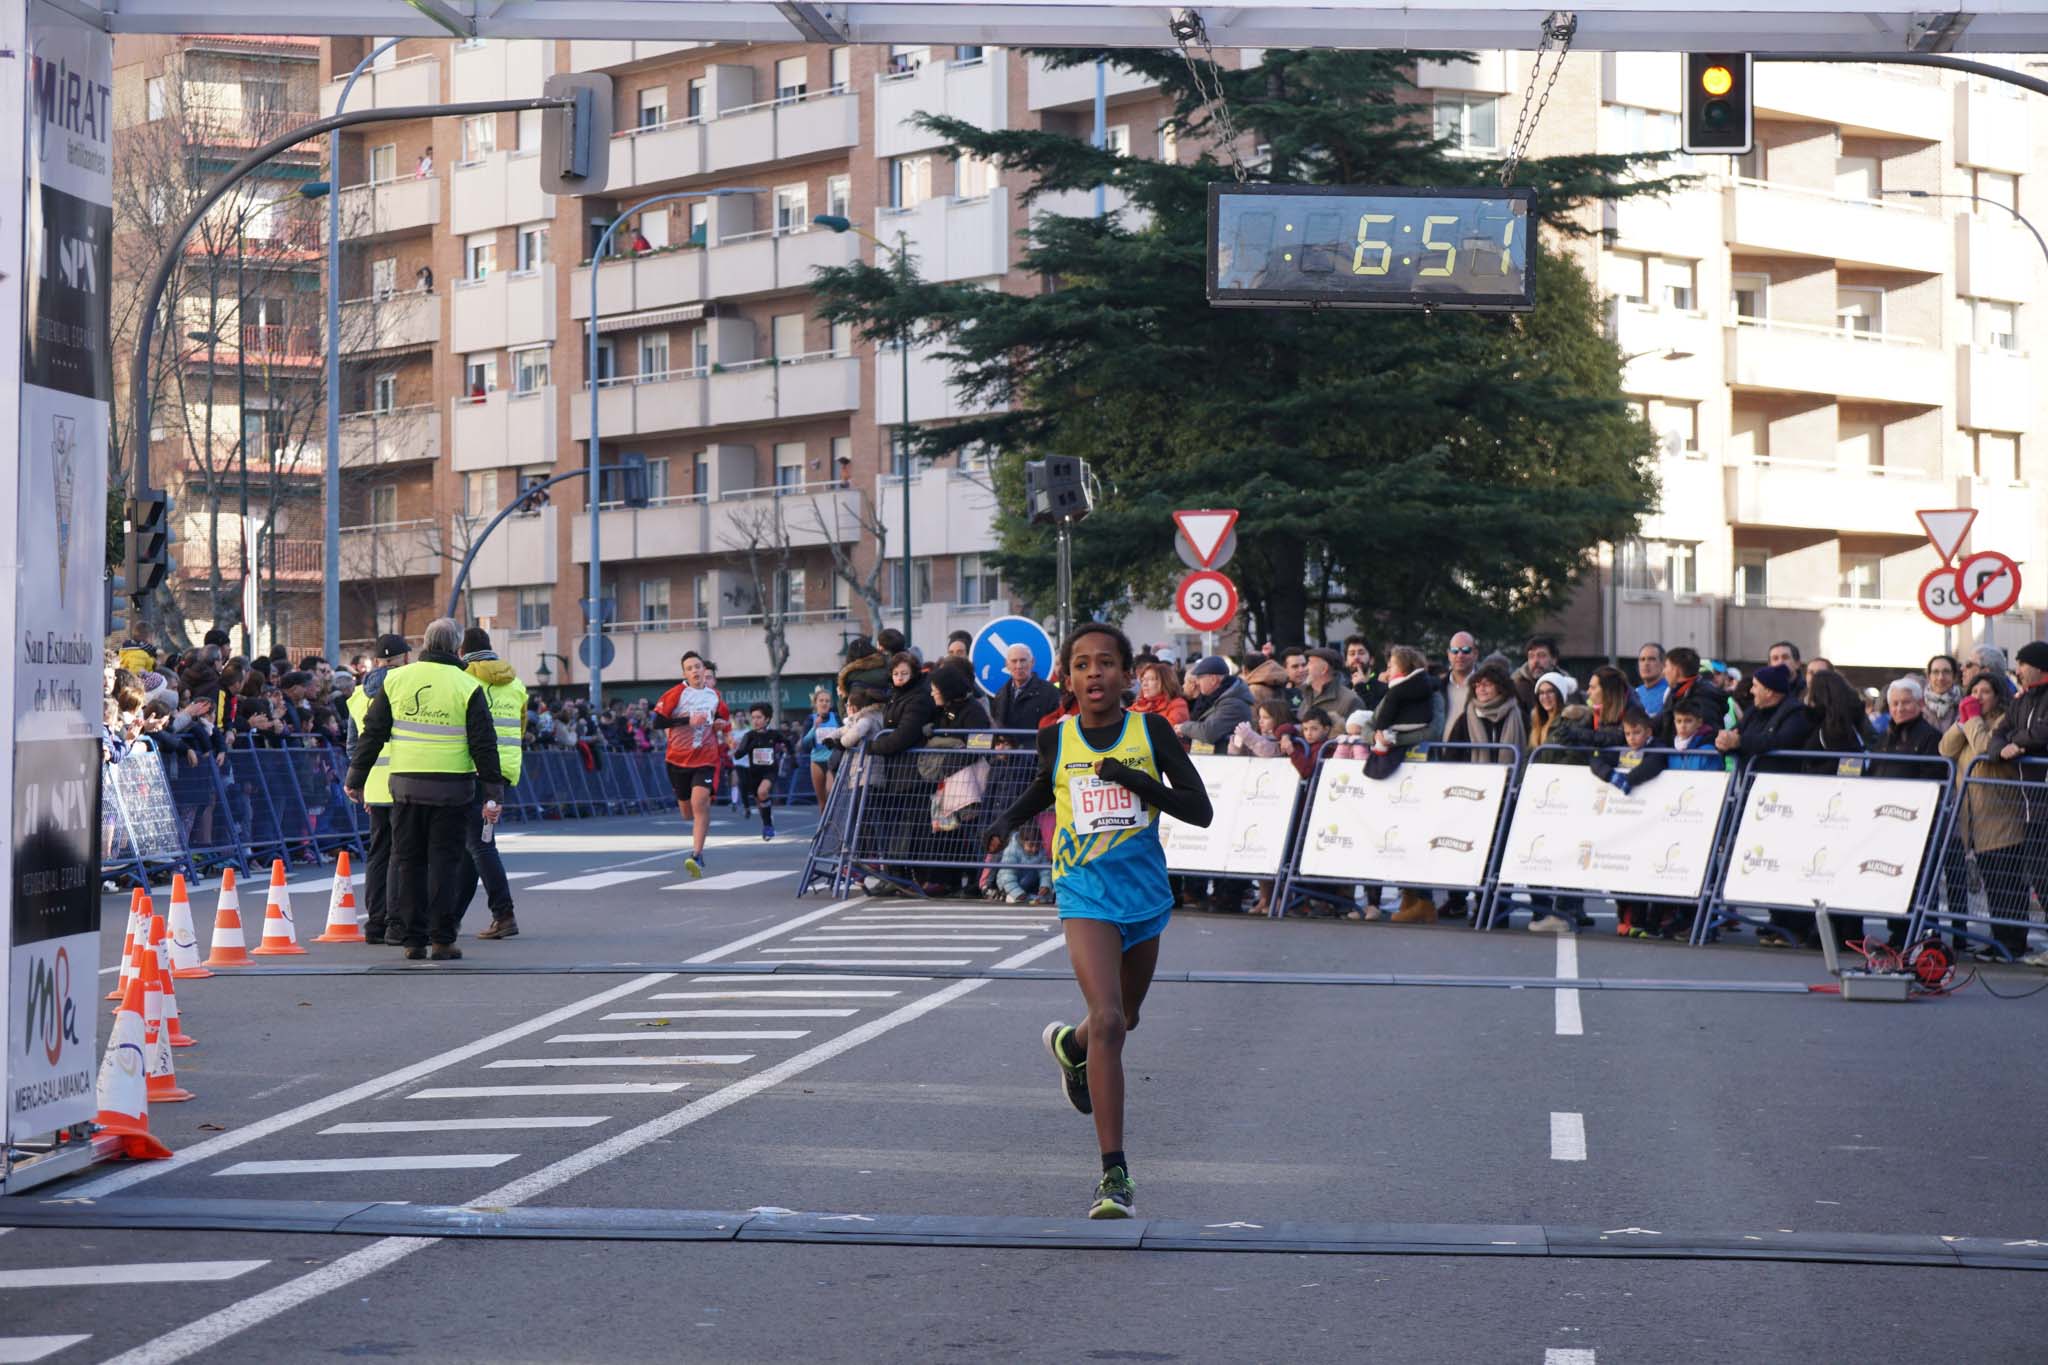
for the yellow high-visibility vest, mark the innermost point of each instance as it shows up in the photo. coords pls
(428, 704)
(377, 787)
(508, 715)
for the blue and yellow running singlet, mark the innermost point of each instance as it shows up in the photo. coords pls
(1107, 862)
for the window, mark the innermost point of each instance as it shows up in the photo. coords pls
(1662, 566)
(1470, 123)
(384, 504)
(1749, 434)
(910, 181)
(980, 584)
(1861, 576)
(1675, 283)
(700, 478)
(1859, 443)
(261, 98)
(974, 177)
(792, 78)
(657, 479)
(534, 611)
(654, 599)
(384, 393)
(792, 208)
(159, 205)
(479, 255)
(607, 360)
(383, 163)
(789, 591)
(533, 247)
(1749, 296)
(905, 58)
(700, 598)
(839, 195)
(1859, 309)
(842, 338)
(1117, 138)
(1677, 425)
(1996, 456)
(1627, 275)
(974, 52)
(653, 354)
(529, 130)
(921, 580)
(842, 457)
(479, 137)
(700, 222)
(786, 333)
(1995, 187)
(1857, 177)
(530, 370)
(157, 92)
(700, 349)
(840, 596)
(653, 107)
(390, 619)
(383, 277)
(1752, 577)
(654, 227)
(789, 464)
(841, 61)
(1628, 128)
(694, 95)
(480, 375)
(1993, 326)
(480, 493)
(1169, 141)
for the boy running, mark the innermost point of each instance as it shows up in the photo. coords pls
(696, 721)
(1099, 768)
(758, 756)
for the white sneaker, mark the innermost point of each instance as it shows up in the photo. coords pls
(2039, 959)
(1550, 924)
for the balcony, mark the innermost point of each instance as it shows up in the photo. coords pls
(670, 528)
(504, 430)
(296, 561)
(1821, 495)
(651, 158)
(523, 550)
(1073, 87)
(767, 261)
(955, 239)
(783, 130)
(1869, 634)
(1648, 333)
(259, 347)
(670, 278)
(1996, 389)
(932, 395)
(1645, 80)
(416, 80)
(1680, 224)
(501, 70)
(603, 54)
(1996, 258)
(224, 464)
(1855, 99)
(1487, 73)
(813, 514)
(391, 322)
(1767, 219)
(643, 404)
(399, 549)
(951, 513)
(509, 309)
(976, 91)
(1993, 128)
(388, 208)
(750, 392)
(1793, 358)
(376, 440)
(500, 190)
(647, 651)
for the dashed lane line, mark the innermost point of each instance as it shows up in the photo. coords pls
(779, 995)
(686, 1035)
(26, 1350)
(1566, 998)
(828, 1013)
(1567, 1137)
(595, 881)
(142, 1272)
(536, 1063)
(520, 1092)
(475, 1125)
(333, 1165)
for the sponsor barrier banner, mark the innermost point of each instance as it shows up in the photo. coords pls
(1253, 799)
(1574, 832)
(1430, 824)
(1855, 843)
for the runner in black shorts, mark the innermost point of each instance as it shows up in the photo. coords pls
(683, 781)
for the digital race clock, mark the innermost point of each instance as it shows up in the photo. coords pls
(1300, 246)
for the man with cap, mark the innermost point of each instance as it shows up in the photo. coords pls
(1326, 690)
(2022, 734)
(1220, 705)
(506, 696)
(1774, 721)
(435, 720)
(392, 652)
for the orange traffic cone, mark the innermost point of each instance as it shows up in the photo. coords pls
(127, 951)
(184, 934)
(160, 937)
(228, 948)
(160, 1072)
(142, 907)
(123, 1086)
(342, 925)
(280, 938)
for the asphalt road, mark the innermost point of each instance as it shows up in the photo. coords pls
(858, 1082)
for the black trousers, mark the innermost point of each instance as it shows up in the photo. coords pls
(484, 865)
(427, 863)
(378, 871)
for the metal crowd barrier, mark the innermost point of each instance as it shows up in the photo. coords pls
(1995, 857)
(914, 819)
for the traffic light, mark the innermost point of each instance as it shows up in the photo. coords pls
(1720, 117)
(576, 142)
(632, 475)
(148, 556)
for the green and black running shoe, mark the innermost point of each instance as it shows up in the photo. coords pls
(1073, 1078)
(1115, 1196)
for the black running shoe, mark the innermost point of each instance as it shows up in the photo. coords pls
(1073, 1079)
(1115, 1196)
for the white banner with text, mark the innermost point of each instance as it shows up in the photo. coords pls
(1853, 843)
(1572, 831)
(1429, 824)
(1253, 799)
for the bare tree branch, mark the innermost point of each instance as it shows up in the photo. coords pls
(758, 532)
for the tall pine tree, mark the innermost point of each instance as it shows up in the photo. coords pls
(1419, 473)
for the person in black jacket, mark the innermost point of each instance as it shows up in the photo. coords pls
(1682, 672)
(1026, 698)
(906, 720)
(759, 757)
(956, 797)
(1910, 732)
(1774, 722)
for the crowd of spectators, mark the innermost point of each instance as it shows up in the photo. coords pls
(203, 703)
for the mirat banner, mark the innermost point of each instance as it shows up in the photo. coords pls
(1253, 800)
(1574, 832)
(62, 93)
(1429, 824)
(1853, 843)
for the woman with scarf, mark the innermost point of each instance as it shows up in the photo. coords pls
(1944, 691)
(1159, 690)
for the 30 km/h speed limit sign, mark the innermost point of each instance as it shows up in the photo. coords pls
(1941, 598)
(1206, 600)
(1990, 582)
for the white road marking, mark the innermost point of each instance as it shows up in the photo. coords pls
(912, 912)
(1569, 1022)
(506, 1092)
(115, 1181)
(145, 1272)
(532, 1063)
(730, 881)
(962, 937)
(806, 976)
(458, 1161)
(687, 1035)
(1567, 1355)
(861, 926)
(782, 995)
(1567, 1137)
(203, 1334)
(735, 1014)
(22, 1350)
(823, 961)
(878, 946)
(595, 881)
(466, 1125)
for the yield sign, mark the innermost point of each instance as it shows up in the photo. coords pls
(1947, 527)
(1206, 531)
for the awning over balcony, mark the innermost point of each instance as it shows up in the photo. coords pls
(656, 317)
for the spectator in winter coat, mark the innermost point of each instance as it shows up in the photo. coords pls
(1405, 712)
(1159, 690)
(1944, 691)
(1493, 715)
(1539, 656)
(1775, 721)
(1682, 671)
(1026, 699)
(1017, 879)
(1326, 690)
(1909, 731)
(2022, 732)
(1221, 704)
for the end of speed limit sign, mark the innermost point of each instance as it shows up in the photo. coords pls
(1208, 601)
(1941, 598)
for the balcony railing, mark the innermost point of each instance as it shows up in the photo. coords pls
(784, 490)
(655, 626)
(1836, 333)
(295, 558)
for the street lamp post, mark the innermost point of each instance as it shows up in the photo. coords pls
(900, 253)
(593, 608)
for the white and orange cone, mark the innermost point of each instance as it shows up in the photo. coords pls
(160, 940)
(131, 961)
(280, 936)
(342, 924)
(184, 934)
(123, 1084)
(135, 899)
(228, 949)
(161, 1072)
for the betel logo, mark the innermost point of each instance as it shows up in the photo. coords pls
(50, 1012)
(70, 100)
(1754, 860)
(1329, 837)
(1342, 786)
(1771, 808)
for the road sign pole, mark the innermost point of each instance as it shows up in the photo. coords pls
(1063, 536)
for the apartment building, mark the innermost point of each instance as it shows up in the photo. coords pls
(236, 370)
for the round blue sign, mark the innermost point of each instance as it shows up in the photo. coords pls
(992, 645)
